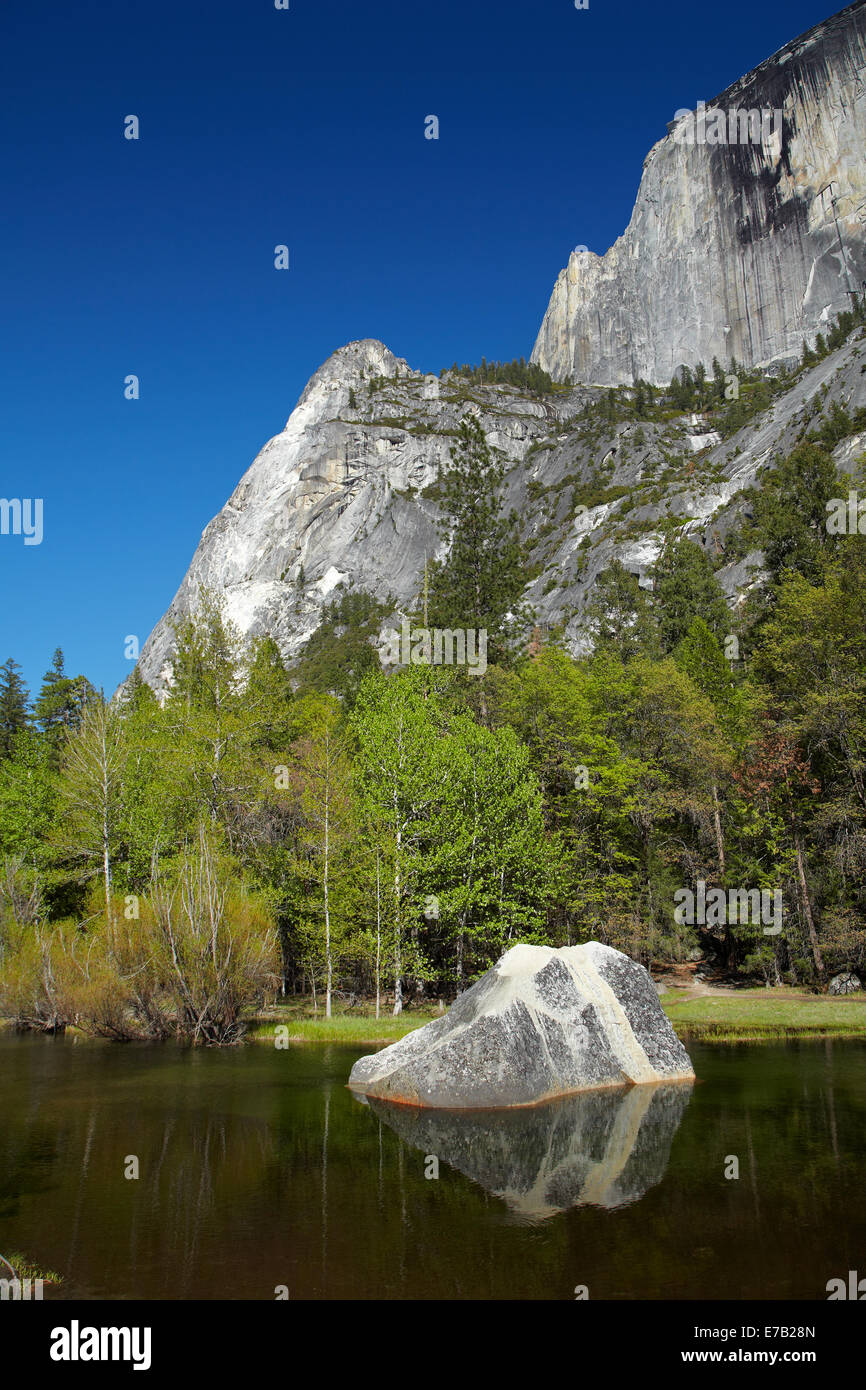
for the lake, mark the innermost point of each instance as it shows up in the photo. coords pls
(258, 1168)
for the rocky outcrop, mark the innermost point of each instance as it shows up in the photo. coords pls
(740, 248)
(344, 497)
(602, 1148)
(334, 500)
(846, 983)
(732, 250)
(540, 1023)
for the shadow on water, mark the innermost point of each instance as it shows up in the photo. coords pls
(601, 1148)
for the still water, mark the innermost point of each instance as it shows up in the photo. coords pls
(258, 1168)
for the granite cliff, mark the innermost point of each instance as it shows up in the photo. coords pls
(731, 250)
(736, 249)
(345, 497)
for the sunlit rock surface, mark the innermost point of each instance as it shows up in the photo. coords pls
(733, 249)
(730, 250)
(604, 1148)
(541, 1023)
(337, 500)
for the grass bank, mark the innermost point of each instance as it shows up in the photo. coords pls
(755, 1015)
(345, 1025)
(743, 1015)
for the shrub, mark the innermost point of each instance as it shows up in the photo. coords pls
(215, 947)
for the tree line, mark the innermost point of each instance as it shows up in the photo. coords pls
(169, 863)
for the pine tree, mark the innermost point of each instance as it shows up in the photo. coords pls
(700, 383)
(483, 577)
(791, 511)
(52, 702)
(685, 588)
(206, 657)
(136, 693)
(61, 703)
(14, 697)
(619, 614)
(700, 655)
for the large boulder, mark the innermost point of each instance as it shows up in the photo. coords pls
(846, 983)
(541, 1023)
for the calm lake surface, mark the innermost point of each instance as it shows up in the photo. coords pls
(258, 1168)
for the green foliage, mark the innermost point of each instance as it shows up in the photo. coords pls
(166, 864)
(519, 373)
(27, 799)
(685, 588)
(701, 657)
(14, 698)
(483, 578)
(619, 614)
(790, 511)
(594, 493)
(341, 651)
(61, 702)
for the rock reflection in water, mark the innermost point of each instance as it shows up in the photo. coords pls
(604, 1148)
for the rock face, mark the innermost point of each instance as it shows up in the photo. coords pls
(731, 250)
(333, 501)
(602, 1148)
(734, 249)
(337, 500)
(540, 1023)
(846, 983)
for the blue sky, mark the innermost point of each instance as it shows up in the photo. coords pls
(303, 127)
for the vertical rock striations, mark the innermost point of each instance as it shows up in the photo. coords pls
(733, 249)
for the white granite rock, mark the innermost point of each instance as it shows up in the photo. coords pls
(543, 1022)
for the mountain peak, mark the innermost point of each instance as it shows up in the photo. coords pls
(364, 357)
(746, 235)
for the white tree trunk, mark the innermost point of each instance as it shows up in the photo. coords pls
(378, 935)
(398, 959)
(328, 961)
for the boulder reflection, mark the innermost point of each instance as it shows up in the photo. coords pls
(600, 1148)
